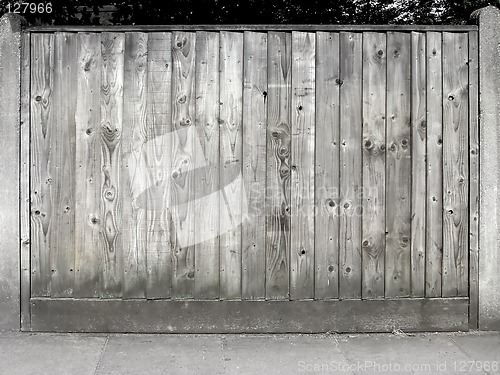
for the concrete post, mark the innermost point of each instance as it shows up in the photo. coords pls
(489, 162)
(10, 55)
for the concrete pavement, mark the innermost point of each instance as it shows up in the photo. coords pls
(453, 353)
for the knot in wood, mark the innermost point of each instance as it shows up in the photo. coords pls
(380, 52)
(182, 99)
(339, 82)
(330, 268)
(330, 202)
(38, 98)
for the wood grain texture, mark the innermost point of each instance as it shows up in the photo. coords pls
(326, 185)
(134, 173)
(302, 185)
(455, 164)
(279, 71)
(350, 164)
(398, 167)
(207, 176)
(231, 153)
(182, 175)
(434, 206)
(24, 183)
(253, 231)
(418, 171)
(88, 240)
(474, 179)
(158, 162)
(42, 129)
(374, 122)
(112, 74)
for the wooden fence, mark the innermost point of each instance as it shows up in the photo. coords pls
(253, 165)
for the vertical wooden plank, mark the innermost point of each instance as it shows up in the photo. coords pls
(231, 153)
(134, 176)
(434, 200)
(24, 204)
(373, 225)
(419, 186)
(279, 65)
(398, 166)
(88, 223)
(473, 179)
(158, 155)
(62, 161)
(253, 269)
(42, 129)
(183, 112)
(112, 56)
(326, 185)
(350, 164)
(207, 177)
(455, 164)
(302, 187)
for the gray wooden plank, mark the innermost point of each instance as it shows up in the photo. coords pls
(326, 194)
(183, 113)
(155, 316)
(278, 165)
(433, 231)
(42, 118)
(351, 74)
(88, 223)
(398, 167)
(24, 182)
(207, 258)
(302, 185)
(473, 179)
(374, 121)
(231, 155)
(263, 27)
(134, 176)
(159, 162)
(418, 177)
(455, 165)
(253, 231)
(112, 72)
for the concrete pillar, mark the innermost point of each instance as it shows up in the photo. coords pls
(489, 164)
(10, 55)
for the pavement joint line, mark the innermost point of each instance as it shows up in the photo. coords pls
(342, 351)
(101, 355)
(450, 337)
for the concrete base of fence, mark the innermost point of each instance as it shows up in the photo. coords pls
(489, 230)
(10, 49)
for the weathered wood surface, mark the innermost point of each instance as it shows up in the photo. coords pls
(278, 165)
(42, 129)
(112, 59)
(434, 201)
(302, 184)
(374, 146)
(351, 74)
(253, 231)
(164, 316)
(88, 224)
(474, 179)
(455, 165)
(134, 176)
(231, 154)
(182, 175)
(207, 258)
(398, 167)
(226, 165)
(24, 183)
(418, 171)
(159, 162)
(326, 185)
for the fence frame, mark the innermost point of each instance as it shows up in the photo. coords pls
(484, 271)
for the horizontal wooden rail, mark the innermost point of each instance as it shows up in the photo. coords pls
(360, 28)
